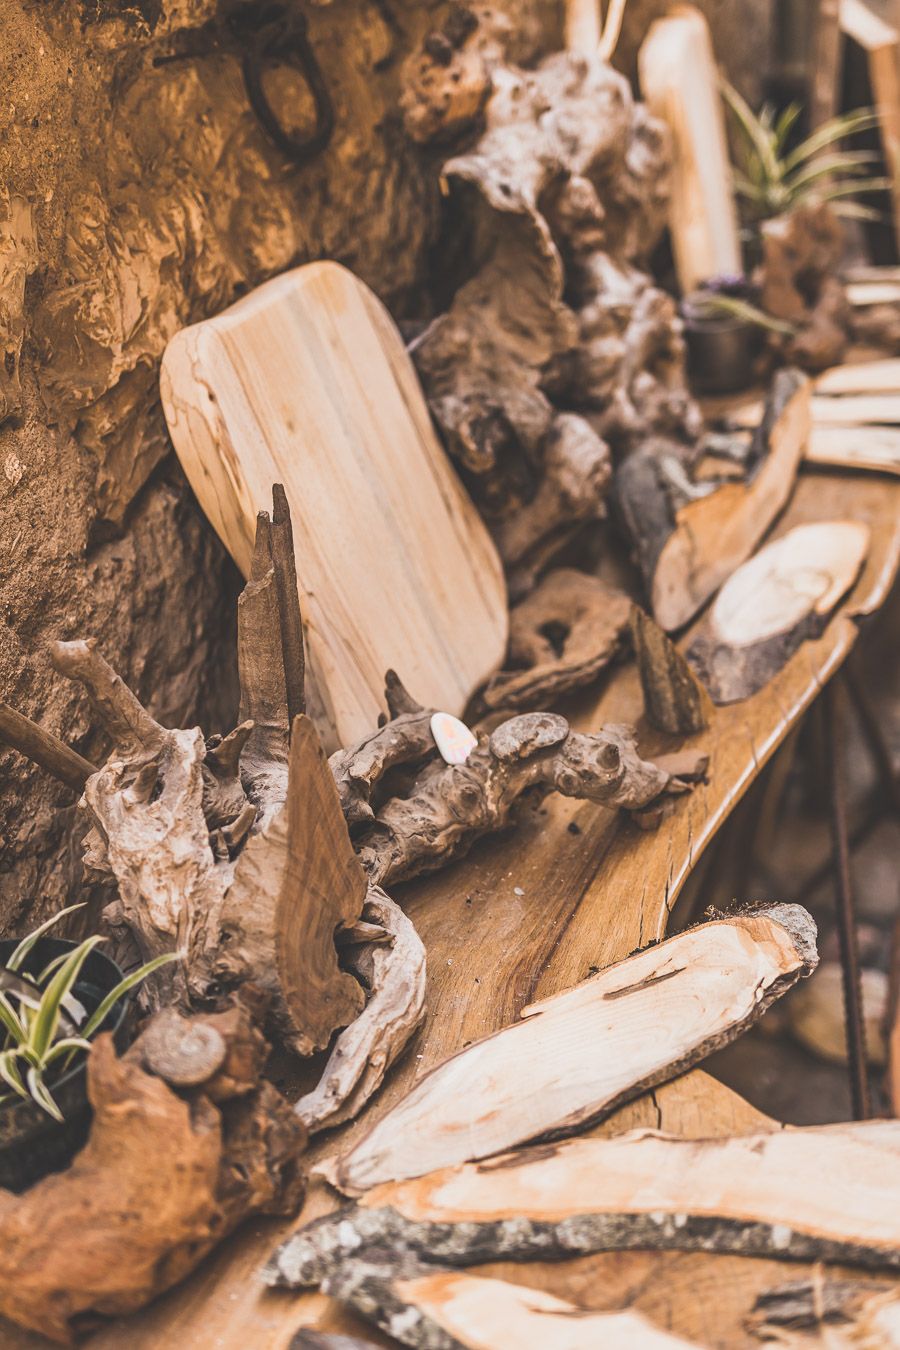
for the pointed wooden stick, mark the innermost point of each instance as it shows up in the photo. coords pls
(44, 749)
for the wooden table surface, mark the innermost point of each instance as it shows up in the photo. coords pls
(574, 888)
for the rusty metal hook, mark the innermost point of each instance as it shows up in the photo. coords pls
(284, 36)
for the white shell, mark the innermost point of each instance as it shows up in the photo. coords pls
(453, 738)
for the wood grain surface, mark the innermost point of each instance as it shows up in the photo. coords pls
(307, 382)
(529, 914)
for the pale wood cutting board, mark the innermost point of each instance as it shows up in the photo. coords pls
(307, 382)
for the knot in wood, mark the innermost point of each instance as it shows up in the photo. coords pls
(525, 735)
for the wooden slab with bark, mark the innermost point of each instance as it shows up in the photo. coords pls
(689, 537)
(591, 1048)
(307, 382)
(776, 601)
(449, 1310)
(758, 1195)
(586, 900)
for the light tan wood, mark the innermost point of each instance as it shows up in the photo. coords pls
(635, 1024)
(875, 448)
(856, 410)
(306, 381)
(773, 603)
(863, 293)
(881, 42)
(863, 377)
(494, 1315)
(587, 900)
(768, 1179)
(680, 84)
(715, 533)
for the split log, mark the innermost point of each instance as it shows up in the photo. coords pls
(814, 1015)
(856, 447)
(779, 599)
(447, 1310)
(688, 537)
(755, 1195)
(162, 1179)
(449, 806)
(392, 967)
(575, 1057)
(560, 638)
(674, 699)
(308, 1339)
(861, 377)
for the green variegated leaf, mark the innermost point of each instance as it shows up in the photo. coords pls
(98, 1016)
(38, 1090)
(44, 1027)
(28, 942)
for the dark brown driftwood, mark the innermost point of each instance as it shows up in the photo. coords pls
(799, 284)
(674, 699)
(161, 1180)
(448, 807)
(688, 536)
(556, 344)
(756, 1195)
(574, 1057)
(560, 638)
(780, 598)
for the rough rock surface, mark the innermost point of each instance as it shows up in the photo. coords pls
(141, 192)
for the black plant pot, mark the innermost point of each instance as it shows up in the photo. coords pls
(32, 1143)
(722, 351)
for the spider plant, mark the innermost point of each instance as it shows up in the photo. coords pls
(771, 177)
(43, 1025)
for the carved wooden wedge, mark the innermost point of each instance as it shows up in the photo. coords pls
(574, 1057)
(756, 1195)
(306, 382)
(780, 598)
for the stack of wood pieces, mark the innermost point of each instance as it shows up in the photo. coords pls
(437, 1192)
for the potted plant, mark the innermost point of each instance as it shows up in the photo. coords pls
(724, 331)
(772, 176)
(55, 996)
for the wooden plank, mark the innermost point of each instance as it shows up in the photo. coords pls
(825, 71)
(307, 382)
(680, 84)
(863, 293)
(587, 899)
(881, 42)
(856, 410)
(875, 448)
(863, 377)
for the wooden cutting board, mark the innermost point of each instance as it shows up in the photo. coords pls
(306, 382)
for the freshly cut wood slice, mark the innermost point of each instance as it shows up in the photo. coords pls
(780, 598)
(690, 536)
(862, 377)
(306, 382)
(856, 410)
(757, 1195)
(574, 1057)
(875, 448)
(447, 1310)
